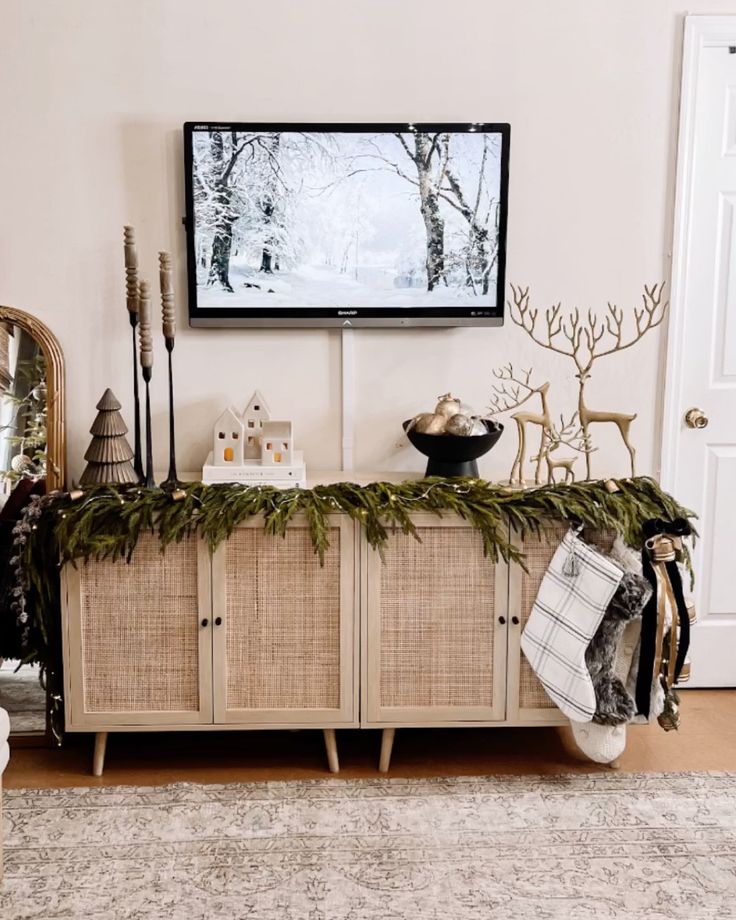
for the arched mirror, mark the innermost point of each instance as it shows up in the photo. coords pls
(32, 461)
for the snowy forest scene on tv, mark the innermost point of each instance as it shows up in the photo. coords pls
(346, 219)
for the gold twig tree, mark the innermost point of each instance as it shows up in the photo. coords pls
(587, 338)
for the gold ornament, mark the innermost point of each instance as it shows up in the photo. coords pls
(422, 418)
(459, 425)
(430, 423)
(447, 406)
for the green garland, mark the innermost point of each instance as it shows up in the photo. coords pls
(106, 522)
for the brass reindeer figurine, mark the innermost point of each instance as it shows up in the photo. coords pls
(523, 419)
(510, 394)
(589, 416)
(564, 463)
(554, 439)
(587, 339)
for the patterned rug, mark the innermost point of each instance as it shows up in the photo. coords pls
(649, 847)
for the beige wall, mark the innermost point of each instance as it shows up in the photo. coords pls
(93, 94)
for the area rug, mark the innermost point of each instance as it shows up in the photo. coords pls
(650, 847)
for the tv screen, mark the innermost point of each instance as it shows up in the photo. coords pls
(346, 224)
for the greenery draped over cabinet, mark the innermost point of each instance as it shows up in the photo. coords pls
(106, 522)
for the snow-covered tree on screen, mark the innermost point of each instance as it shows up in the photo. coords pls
(316, 219)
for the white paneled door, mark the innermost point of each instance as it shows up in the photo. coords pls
(699, 447)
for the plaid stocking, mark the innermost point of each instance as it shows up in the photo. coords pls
(572, 599)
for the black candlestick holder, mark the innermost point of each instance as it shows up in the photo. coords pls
(172, 480)
(137, 448)
(150, 482)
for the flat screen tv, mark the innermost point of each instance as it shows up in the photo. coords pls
(346, 224)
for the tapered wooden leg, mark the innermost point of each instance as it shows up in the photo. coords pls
(331, 747)
(387, 744)
(98, 758)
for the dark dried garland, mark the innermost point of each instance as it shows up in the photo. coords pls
(106, 522)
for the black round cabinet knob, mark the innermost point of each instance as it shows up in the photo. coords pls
(205, 622)
(502, 621)
(515, 621)
(218, 621)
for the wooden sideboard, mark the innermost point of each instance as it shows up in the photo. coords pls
(259, 635)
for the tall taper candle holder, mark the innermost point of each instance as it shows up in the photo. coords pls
(146, 347)
(131, 299)
(168, 317)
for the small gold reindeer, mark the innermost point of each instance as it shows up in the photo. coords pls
(563, 463)
(554, 438)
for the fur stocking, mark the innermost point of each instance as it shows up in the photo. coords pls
(614, 705)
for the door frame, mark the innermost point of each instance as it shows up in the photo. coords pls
(700, 32)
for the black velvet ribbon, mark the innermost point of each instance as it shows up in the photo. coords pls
(656, 526)
(647, 649)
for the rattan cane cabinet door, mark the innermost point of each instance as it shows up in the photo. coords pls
(527, 699)
(284, 635)
(435, 628)
(136, 647)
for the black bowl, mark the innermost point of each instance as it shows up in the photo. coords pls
(454, 455)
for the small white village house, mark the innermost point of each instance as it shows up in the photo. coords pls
(254, 415)
(276, 443)
(227, 445)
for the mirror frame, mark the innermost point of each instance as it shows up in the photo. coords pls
(54, 357)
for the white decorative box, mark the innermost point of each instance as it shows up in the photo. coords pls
(254, 473)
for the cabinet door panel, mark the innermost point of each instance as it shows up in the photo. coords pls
(435, 643)
(137, 653)
(284, 648)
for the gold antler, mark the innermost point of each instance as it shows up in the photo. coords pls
(512, 392)
(568, 327)
(650, 316)
(585, 335)
(570, 434)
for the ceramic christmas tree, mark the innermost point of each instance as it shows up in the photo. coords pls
(109, 455)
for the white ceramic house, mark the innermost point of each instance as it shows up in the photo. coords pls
(276, 443)
(254, 415)
(228, 438)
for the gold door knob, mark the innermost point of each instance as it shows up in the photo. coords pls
(696, 418)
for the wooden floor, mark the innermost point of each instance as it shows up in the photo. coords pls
(705, 741)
